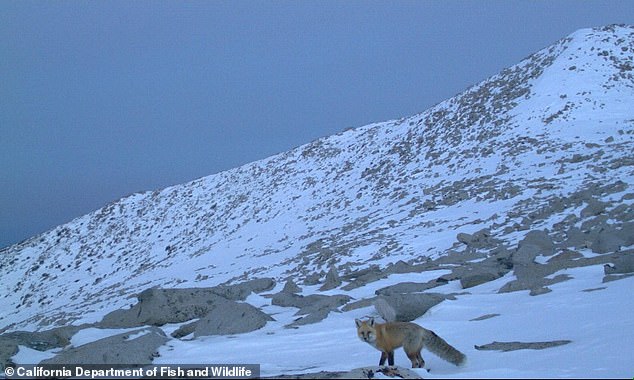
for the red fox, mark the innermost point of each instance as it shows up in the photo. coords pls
(386, 337)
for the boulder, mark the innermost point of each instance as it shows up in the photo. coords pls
(158, 306)
(239, 292)
(138, 347)
(161, 306)
(406, 307)
(535, 243)
(39, 340)
(477, 278)
(621, 265)
(231, 318)
(314, 307)
(407, 287)
(291, 287)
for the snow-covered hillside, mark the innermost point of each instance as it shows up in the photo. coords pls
(540, 153)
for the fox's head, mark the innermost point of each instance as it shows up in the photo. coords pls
(366, 330)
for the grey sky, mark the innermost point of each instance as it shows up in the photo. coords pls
(101, 99)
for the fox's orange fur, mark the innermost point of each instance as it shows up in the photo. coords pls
(386, 337)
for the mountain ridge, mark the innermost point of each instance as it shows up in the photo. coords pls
(520, 143)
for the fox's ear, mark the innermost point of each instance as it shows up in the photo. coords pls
(371, 322)
(357, 322)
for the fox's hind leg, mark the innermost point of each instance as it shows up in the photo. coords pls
(416, 359)
(421, 362)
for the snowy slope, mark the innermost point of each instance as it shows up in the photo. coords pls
(523, 150)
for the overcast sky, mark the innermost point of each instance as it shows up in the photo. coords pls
(101, 99)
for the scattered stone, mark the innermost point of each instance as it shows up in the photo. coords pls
(513, 346)
(138, 347)
(485, 316)
(593, 289)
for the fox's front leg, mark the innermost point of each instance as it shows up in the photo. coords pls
(383, 358)
(387, 355)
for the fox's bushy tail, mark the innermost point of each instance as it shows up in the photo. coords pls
(444, 350)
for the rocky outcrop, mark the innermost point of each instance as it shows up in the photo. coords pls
(138, 347)
(312, 308)
(158, 306)
(406, 307)
(40, 340)
(332, 280)
(226, 318)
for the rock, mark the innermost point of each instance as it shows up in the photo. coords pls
(365, 302)
(332, 280)
(610, 239)
(566, 255)
(485, 316)
(8, 348)
(464, 238)
(44, 340)
(40, 340)
(513, 346)
(239, 292)
(317, 304)
(231, 318)
(157, 306)
(401, 267)
(363, 277)
(137, 347)
(480, 239)
(621, 265)
(534, 243)
(291, 287)
(160, 306)
(471, 280)
(406, 307)
(312, 279)
(593, 208)
(407, 287)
